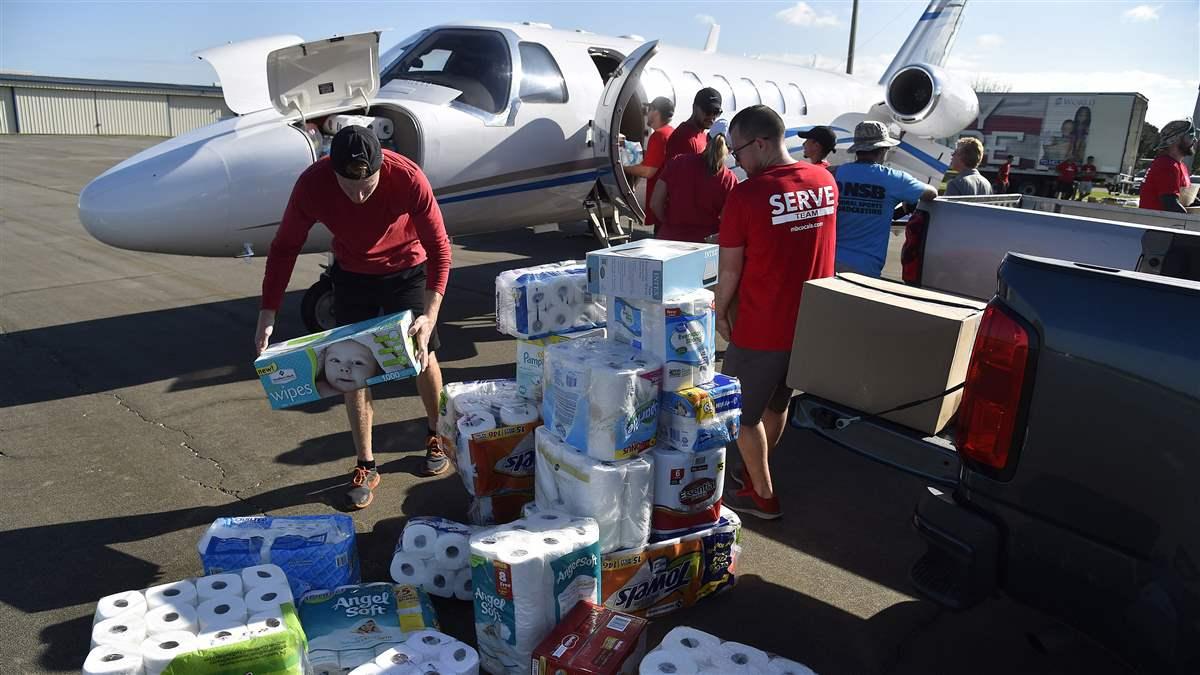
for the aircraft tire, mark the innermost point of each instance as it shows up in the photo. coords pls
(316, 308)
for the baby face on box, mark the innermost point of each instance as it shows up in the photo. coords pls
(345, 366)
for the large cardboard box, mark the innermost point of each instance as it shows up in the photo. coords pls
(592, 640)
(651, 269)
(873, 345)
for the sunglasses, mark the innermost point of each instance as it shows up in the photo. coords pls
(745, 145)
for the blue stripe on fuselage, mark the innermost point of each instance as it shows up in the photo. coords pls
(523, 187)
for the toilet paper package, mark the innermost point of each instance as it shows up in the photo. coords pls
(703, 417)
(526, 579)
(666, 576)
(685, 650)
(651, 269)
(382, 126)
(531, 355)
(351, 625)
(552, 299)
(681, 331)
(337, 361)
(601, 397)
(313, 551)
(592, 640)
(688, 487)
(617, 495)
(431, 553)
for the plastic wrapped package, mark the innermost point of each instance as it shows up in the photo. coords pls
(701, 418)
(552, 299)
(681, 331)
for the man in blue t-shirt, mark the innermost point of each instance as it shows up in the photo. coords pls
(868, 194)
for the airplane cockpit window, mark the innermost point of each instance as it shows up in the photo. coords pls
(475, 62)
(541, 79)
(389, 57)
(772, 97)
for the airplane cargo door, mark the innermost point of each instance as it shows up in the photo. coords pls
(607, 124)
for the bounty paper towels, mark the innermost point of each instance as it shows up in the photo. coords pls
(617, 495)
(703, 417)
(687, 490)
(546, 300)
(601, 397)
(681, 331)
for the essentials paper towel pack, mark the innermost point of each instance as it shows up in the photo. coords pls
(680, 331)
(686, 651)
(435, 554)
(527, 576)
(601, 397)
(546, 300)
(688, 487)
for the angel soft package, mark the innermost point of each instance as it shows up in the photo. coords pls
(434, 554)
(601, 397)
(527, 576)
(313, 551)
(351, 625)
(337, 361)
(701, 418)
(213, 625)
(681, 331)
(546, 300)
(487, 429)
(687, 651)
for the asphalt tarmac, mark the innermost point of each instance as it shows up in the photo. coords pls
(130, 418)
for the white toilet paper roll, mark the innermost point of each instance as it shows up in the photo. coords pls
(120, 603)
(158, 651)
(266, 623)
(419, 540)
(174, 593)
(457, 658)
(263, 575)
(114, 660)
(399, 656)
(439, 582)
(735, 657)
(663, 661)
(408, 568)
(128, 630)
(428, 642)
(518, 413)
(221, 613)
(218, 586)
(464, 588)
(688, 639)
(219, 637)
(172, 618)
(267, 598)
(549, 519)
(473, 423)
(781, 666)
(452, 551)
(638, 501)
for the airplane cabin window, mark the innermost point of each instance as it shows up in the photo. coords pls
(795, 99)
(772, 97)
(475, 62)
(747, 93)
(729, 102)
(541, 79)
(656, 83)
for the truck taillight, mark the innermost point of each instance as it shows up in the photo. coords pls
(912, 255)
(996, 377)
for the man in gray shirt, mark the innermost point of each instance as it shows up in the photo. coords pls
(965, 160)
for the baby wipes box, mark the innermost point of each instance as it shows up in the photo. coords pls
(701, 418)
(351, 625)
(338, 361)
(592, 640)
(651, 269)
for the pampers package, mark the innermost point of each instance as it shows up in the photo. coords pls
(531, 355)
(214, 625)
(527, 576)
(663, 577)
(701, 418)
(651, 269)
(351, 625)
(338, 361)
(313, 551)
(681, 330)
(601, 397)
(546, 300)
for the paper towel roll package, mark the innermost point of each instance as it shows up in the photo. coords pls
(552, 299)
(601, 397)
(525, 582)
(680, 331)
(617, 495)
(355, 622)
(531, 355)
(701, 418)
(685, 650)
(688, 487)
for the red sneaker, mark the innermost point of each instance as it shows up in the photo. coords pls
(747, 501)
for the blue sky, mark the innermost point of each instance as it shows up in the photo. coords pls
(1064, 45)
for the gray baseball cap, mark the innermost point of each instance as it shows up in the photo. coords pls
(871, 135)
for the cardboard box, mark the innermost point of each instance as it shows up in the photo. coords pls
(873, 345)
(337, 361)
(592, 640)
(651, 269)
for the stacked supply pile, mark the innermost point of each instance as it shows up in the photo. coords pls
(434, 554)
(527, 577)
(687, 651)
(241, 622)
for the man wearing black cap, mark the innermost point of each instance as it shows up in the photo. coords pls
(819, 142)
(661, 110)
(392, 254)
(691, 137)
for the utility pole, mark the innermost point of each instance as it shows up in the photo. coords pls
(853, 31)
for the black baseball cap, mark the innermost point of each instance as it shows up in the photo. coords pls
(351, 149)
(822, 135)
(708, 99)
(663, 105)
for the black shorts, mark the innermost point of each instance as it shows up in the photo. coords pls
(763, 376)
(359, 297)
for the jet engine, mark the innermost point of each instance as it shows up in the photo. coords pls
(927, 101)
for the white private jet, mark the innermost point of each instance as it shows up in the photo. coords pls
(514, 124)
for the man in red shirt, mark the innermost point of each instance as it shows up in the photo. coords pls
(1087, 178)
(1066, 179)
(692, 190)
(1168, 175)
(1002, 176)
(392, 254)
(691, 137)
(778, 231)
(819, 143)
(661, 110)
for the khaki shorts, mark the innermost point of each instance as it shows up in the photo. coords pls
(763, 375)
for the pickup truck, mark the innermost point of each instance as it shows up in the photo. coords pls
(1071, 478)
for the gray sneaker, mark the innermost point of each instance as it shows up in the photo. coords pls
(362, 482)
(436, 462)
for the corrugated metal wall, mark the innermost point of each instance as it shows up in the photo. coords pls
(8, 118)
(193, 112)
(56, 111)
(131, 114)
